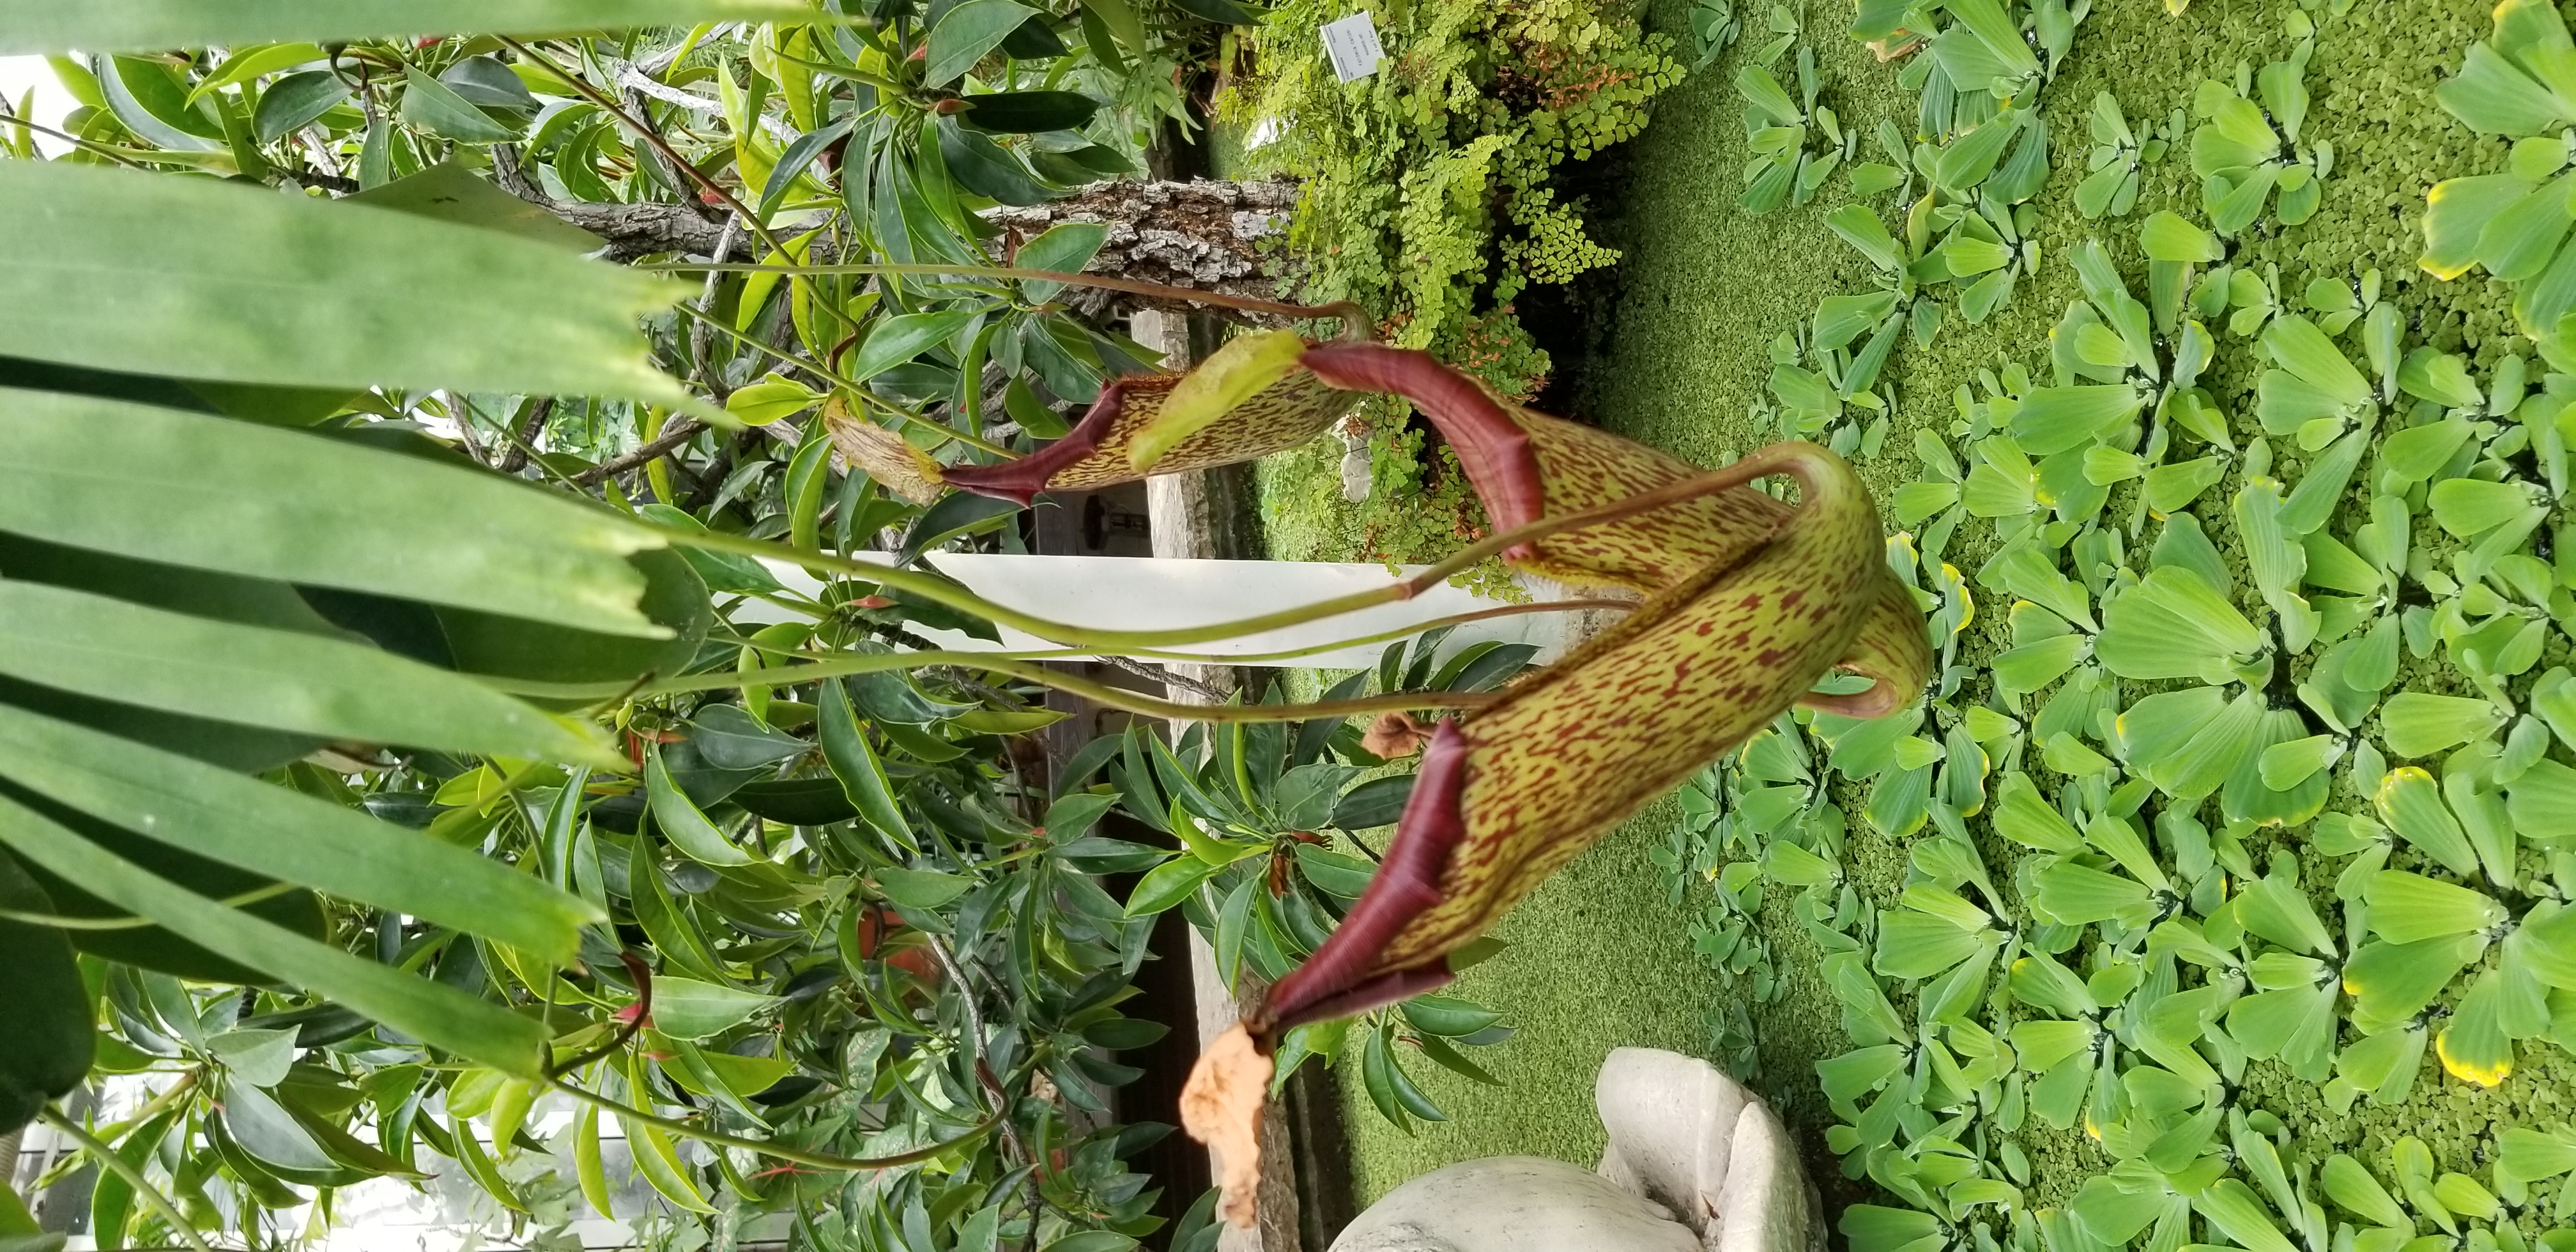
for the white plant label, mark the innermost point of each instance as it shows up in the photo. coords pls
(1353, 46)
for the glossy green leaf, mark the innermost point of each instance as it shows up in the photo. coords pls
(47, 1042)
(965, 33)
(1448, 1016)
(685, 1008)
(681, 821)
(1030, 113)
(904, 336)
(1067, 247)
(293, 102)
(921, 890)
(854, 762)
(349, 296)
(986, 168)
(1168, 884)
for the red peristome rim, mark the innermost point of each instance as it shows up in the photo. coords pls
(1331, 982)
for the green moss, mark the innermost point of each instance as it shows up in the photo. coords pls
(1596, 963)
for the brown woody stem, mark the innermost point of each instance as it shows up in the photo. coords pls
(1353, 318)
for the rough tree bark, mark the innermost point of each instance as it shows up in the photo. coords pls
(1208, 236)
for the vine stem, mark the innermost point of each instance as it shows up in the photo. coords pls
(983, 1073)
(1018, 666)
(125, 1169)
(1353, 318)
(10, 117)
(943, 592)
(1251, 658)
(765, 1147)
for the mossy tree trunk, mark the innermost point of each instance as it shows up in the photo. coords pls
(1199, 234)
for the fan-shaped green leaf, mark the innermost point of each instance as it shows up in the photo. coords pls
(438, 1015)
(286, 835)
(2410, 908)
(2411, 803)
(241, 498)
(348, 296)
(197, 666)
(2172, 625)
(2277, 910)
(2494, 98)
(2353, 1187)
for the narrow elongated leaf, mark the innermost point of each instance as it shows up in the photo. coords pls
(1168, 884)
(155, 25)
(286, 835)
(346, 296)
(863, 779)
(201, 491)
(921, 890)
(434, 1013)
(659, 1161)
(435, 107)
(280, 679)
(1030, 113)
(681, 821)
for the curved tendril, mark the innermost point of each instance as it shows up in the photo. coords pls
(161, 1205)
(771, 1148)
(1250, 658)
(942, 592)
(1099, 693)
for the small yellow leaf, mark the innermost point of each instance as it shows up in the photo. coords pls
(1232, 375)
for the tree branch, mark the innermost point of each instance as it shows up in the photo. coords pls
(680, 432)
